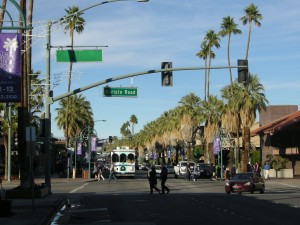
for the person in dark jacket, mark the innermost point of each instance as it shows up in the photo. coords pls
(163, 179)
(153, 180)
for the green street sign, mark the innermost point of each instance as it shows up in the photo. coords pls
(119, 91)
(79, 55)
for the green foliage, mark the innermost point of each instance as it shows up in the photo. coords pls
(255, 157)
(277, 162)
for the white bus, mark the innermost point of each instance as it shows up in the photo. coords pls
(123, 159)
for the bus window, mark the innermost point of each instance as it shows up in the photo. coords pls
(123, 157)
(131, 158)
(115, 158)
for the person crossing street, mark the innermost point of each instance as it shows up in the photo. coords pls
(163, 179)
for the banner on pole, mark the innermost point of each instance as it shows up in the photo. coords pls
(10, 67)
(79, 148)
(216, 145)
(93, 144)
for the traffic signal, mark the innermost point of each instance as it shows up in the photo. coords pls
(243, 72)
(110, 139)
(166, 76)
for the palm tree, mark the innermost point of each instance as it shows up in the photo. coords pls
(251, 15)
(80, 113)
(133, 120)
(203, 53)
(212, 111)
(189, 109)
(229, 27)
(74, 23)
(36, 98)
(251, 99)
(230, 117)
(212, 40)
(124, 130)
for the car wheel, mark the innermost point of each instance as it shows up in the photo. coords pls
(228, 192)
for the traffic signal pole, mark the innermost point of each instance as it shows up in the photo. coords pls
(84, 88)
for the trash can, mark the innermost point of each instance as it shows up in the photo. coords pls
(85, 174)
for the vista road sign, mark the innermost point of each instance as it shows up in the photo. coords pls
(79, 55)
(119, 91)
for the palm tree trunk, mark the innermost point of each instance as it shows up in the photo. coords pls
(248, 42)
(208, 76)
(228, 58)
(205, 78)
(246, 138)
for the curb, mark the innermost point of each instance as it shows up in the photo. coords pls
(56, 206)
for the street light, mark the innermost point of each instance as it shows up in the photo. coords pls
(86, 132)
(48, 93)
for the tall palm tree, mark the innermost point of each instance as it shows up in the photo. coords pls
(203, 54)
(252, 15)
(212, 111)
(133, 120)
(229, 27)
(212, 40)
(251, 99)
(80, 112)
(73, 22)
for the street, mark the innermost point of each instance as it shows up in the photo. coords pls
(128, 202)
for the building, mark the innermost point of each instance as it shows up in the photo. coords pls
(279, 134)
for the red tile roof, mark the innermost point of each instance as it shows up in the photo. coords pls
(278, 124)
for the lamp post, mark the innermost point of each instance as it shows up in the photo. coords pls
(48, 93)
(86, 132)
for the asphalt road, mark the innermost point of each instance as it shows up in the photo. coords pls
(128, 202)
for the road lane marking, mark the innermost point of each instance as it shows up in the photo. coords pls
(77, 189)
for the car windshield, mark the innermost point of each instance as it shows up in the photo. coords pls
(242, 176)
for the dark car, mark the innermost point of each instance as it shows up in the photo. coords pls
(202, 170)
(245, 182)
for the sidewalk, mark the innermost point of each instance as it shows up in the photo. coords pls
(36, 211)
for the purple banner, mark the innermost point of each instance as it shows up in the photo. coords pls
(79, 148)
(216, 145)
(10, 67)
(93, 144)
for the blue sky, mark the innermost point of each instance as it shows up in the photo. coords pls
(142, 35)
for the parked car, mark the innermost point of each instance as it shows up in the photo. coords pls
(180, 168)
(245, 182)
(170, 169)
(202, 170)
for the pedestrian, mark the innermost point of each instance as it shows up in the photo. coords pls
(100, 174)
(112, 173)
(233, 170)
(163, 179)
(153, 180)
(256, 168)
(96, 171)
(267, 170)
(188, 172)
